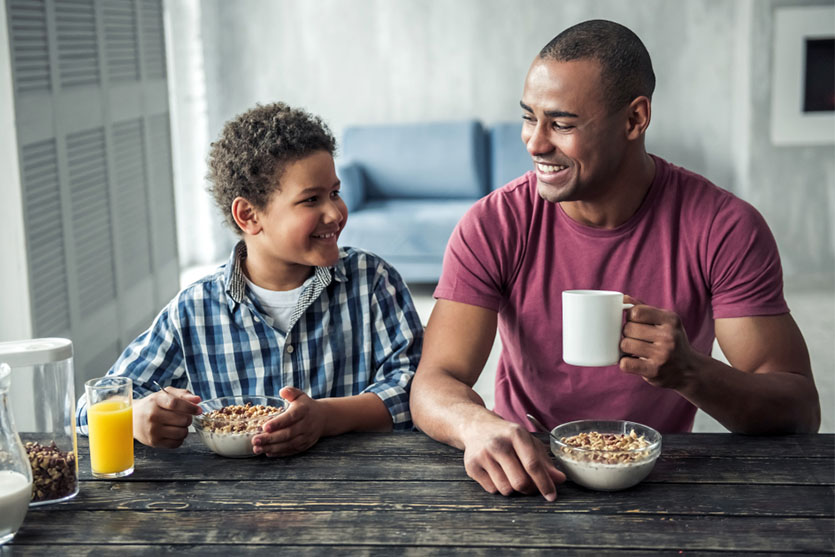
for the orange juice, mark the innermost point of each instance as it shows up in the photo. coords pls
(110, 424)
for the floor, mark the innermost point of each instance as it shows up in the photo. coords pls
(812, 302)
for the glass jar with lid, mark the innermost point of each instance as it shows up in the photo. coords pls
(42, 398)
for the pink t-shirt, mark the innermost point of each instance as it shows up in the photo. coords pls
(691, 247)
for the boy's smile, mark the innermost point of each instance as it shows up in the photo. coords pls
(299, 227)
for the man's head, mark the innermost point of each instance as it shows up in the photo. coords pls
(585, 108)
(254, 149)
(626, 68)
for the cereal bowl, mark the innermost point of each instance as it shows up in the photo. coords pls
(606, 455)
(228, 424)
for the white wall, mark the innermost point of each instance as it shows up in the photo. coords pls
(368, 61)
(15, 316)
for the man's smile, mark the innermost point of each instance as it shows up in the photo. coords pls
(549, 168)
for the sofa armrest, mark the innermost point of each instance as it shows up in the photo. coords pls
(353, 183)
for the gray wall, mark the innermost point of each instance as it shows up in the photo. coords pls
(794, 187)
(415, 60)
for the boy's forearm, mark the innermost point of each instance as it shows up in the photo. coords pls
(365, 412)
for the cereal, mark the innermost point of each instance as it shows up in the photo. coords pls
(607, 448)
(239, 418)
(53, 471)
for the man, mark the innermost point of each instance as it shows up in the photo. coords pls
(599, 212)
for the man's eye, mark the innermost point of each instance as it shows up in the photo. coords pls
(558, 126)
(528, 118)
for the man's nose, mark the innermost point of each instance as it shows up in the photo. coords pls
(537, 142)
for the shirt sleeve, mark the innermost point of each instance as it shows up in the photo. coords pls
(746, 278)
(483, 253)
(397, 342)
(155, 355)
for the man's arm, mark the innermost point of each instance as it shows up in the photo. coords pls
(769, 389)
(499, 455)
(778, 394)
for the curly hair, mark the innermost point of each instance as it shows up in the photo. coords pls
(253, 152)
(626, 65)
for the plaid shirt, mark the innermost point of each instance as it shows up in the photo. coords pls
(354, 330)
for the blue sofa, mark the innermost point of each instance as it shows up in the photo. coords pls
(407, 185)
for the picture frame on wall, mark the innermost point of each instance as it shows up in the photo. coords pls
(803, 77)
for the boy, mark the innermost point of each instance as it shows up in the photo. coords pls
(333, 331)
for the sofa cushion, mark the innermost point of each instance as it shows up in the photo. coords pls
(418, 161)
(509, 158)
(407, 228)
(352, 186)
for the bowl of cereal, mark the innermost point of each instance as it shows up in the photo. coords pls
(606, 455)
(228, 424)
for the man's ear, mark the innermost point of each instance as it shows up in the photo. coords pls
(638, 116)
(246, 216)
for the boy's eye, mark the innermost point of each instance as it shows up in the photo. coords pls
(311, 199)
(335, 194)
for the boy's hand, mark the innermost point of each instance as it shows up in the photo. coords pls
(297, 429)
(161, 419)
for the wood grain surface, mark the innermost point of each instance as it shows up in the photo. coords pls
(403, 493)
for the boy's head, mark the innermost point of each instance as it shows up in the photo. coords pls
(254, 150)
(273, 176)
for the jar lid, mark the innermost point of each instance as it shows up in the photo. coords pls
(20, 353)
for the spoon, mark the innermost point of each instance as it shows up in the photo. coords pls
(539, 425)
(161, 388)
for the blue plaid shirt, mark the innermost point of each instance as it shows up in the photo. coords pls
(354, 330)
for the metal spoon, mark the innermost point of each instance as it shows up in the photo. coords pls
(161, 388)
(539, 426)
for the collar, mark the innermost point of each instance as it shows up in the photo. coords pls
(235, 280)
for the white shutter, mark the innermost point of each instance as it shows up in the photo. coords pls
(91, 109)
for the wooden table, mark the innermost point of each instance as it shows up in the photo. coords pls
(384, 494)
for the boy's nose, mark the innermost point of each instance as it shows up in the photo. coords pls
(333, 212)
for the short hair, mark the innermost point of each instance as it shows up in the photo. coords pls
(255, 148)
(626, 68)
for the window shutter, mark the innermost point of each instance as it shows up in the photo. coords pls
(91, 107)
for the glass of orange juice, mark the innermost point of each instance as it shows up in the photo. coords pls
(110, 426)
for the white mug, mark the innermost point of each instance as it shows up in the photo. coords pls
(591, 327)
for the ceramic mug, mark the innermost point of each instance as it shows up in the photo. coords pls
(592, 322)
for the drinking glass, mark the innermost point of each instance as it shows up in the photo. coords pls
(110, 426)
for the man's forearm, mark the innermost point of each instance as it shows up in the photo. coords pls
(443, 407)
(775, 402)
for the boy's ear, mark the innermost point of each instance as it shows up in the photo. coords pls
(245, 216)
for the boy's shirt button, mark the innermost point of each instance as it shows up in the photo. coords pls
(289, 348)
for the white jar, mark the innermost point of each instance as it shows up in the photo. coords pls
(43, 399)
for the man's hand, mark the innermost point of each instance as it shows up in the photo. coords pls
(768, 387)
(656, 347)
(501, 456)
(296, 429)
(161, 419)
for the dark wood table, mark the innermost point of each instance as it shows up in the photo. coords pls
(383, 494)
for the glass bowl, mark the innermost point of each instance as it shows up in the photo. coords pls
(608, 465)
(228, 424)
